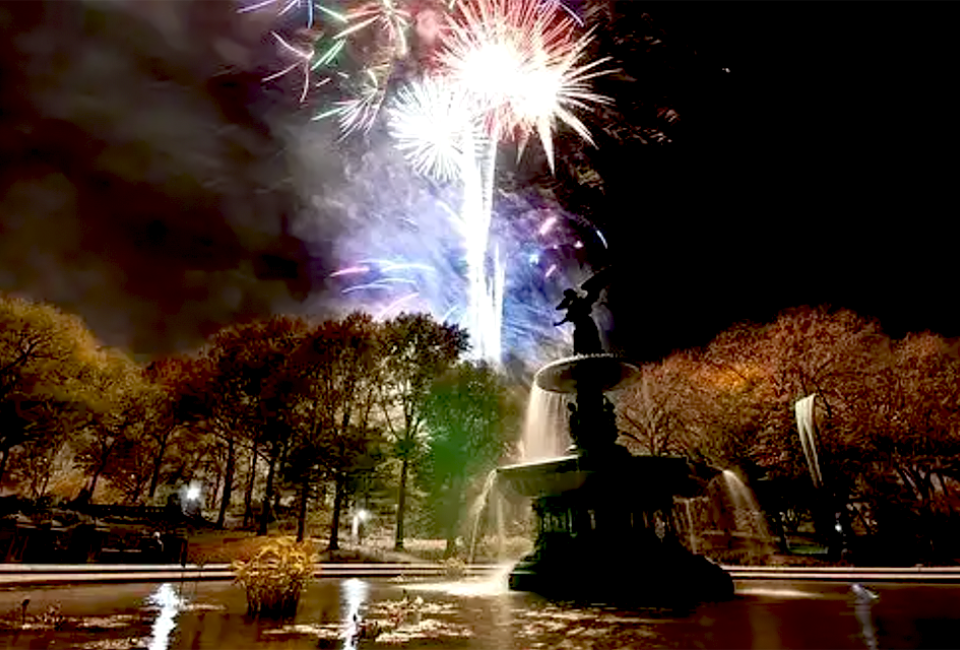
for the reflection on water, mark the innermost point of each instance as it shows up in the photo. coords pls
(169, 603)
(495, 584)
(864, 611)
(777, 592)
(378, 614)
(354, 594)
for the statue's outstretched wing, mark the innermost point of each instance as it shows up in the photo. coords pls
(596, 283)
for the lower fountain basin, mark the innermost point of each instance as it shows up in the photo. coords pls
(543, 477)
(625, 475)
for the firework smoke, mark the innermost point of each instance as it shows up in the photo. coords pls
(151, 198)
(162, 201)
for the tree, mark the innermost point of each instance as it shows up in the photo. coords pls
(235, 394)
(166, 417)
(652, 409)
(416, 350)
(43, 352)
(115, 399)
(469, 417)
(209, 399)
(335, 377)
(45, 450)
(908, 473)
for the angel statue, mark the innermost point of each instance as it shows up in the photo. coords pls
(586, 336)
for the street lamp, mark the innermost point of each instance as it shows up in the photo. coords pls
(359, 518)
(191, 507)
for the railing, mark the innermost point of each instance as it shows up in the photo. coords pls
(26, 574)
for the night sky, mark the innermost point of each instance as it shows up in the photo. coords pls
(813, 161)
(820, 170)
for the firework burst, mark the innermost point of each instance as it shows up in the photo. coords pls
(434, 124)
(498, 69)
(525, 63)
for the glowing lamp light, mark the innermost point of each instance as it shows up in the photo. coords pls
(193, 492)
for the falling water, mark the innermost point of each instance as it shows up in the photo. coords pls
(727, 525)
(687, 526)
(748, 518)
(545, 430)
(487, 494)
(808, 441)
(747, 513)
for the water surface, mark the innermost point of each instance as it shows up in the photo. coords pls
(473, 615)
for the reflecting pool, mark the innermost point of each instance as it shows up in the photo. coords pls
(359, 613)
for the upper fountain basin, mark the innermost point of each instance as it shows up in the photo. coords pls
(601, 372)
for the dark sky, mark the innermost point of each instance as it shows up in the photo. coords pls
(820, 169)
(144, 186)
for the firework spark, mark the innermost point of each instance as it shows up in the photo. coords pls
(389, 15)
(288, 6)
(359, 112)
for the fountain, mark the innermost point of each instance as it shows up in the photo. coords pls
(606, 529)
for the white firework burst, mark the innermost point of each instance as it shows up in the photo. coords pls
(435, 124)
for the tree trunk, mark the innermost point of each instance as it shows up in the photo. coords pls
(452, 516)
(227, 484)
(158, 461)
(212, 499)
(251, 480)
(268, 496)
(102, 466)
(339, 484)
(302, 515)
(401, 504)
(451, 545)
(94, 479)
(3, 464)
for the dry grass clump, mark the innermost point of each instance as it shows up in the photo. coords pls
(454, 568)
(275, 577)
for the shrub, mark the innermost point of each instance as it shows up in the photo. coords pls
(275, 577)
(454, 568)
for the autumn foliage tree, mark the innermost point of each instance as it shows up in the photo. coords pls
(236, 392)
(888, 423)
(334, 380)
(114, 397)
(43, 353)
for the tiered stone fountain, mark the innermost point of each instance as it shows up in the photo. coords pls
(606, 530)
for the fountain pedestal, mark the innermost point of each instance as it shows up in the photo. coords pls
(606, 530)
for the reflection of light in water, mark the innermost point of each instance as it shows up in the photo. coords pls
(495, 584)
(354, 594)
(863, 610)
(169, 603)
(777, 593)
